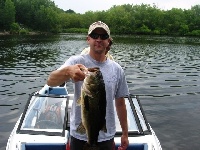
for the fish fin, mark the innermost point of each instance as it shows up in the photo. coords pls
(86, 102)
(104, 129)
(81, 129)
(79, 101)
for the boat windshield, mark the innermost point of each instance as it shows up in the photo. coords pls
(49, 115)
(137, 123)
(44, 114)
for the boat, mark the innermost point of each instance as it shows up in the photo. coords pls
(44, 123)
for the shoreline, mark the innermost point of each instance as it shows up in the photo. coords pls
(5, 33)
(29, 33)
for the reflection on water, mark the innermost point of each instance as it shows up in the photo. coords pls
(163, 71)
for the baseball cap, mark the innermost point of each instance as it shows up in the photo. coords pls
(99, 24)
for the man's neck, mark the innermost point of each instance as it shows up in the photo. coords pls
(100, 57)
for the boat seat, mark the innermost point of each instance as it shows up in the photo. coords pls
(30, 146)
(58, 90)
(136, 146)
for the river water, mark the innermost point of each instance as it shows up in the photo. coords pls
(163, 71)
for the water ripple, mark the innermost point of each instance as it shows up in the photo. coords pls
(163, 71)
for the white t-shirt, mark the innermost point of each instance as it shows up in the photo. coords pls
(115, 86)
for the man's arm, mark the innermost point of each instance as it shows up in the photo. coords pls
(122, 115)
(59, 76)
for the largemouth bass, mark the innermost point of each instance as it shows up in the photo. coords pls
(93, 107)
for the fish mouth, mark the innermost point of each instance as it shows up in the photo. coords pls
(93, 69)
(89, 71)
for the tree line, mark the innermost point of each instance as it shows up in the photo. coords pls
(44, 16)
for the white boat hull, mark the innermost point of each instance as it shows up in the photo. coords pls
(31, 134)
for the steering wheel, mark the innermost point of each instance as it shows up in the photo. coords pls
(47, 124)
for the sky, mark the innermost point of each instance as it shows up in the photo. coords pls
(81, 6)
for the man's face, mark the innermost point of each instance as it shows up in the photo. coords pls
(98, 40)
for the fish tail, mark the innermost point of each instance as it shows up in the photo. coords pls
(89, 147)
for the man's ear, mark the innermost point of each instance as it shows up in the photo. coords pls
(109, 42)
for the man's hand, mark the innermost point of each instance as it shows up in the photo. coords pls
(59, 76)
(76, 72)
(124, 143)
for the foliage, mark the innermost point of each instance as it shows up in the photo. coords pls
(23, 31)
(44, 16)
(14, 28)
(8, 14)
(69, 11)
(144, 30)
(195, 33)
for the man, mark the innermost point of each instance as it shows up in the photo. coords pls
(115, 85)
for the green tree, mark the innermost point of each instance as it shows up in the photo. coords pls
(184, 29)
(14, 28)
(47, 19)
(144, 30)
(174, 18)
(43, 15)
(195, 18)
(8, 15)
(69, 11)
(119, 20)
